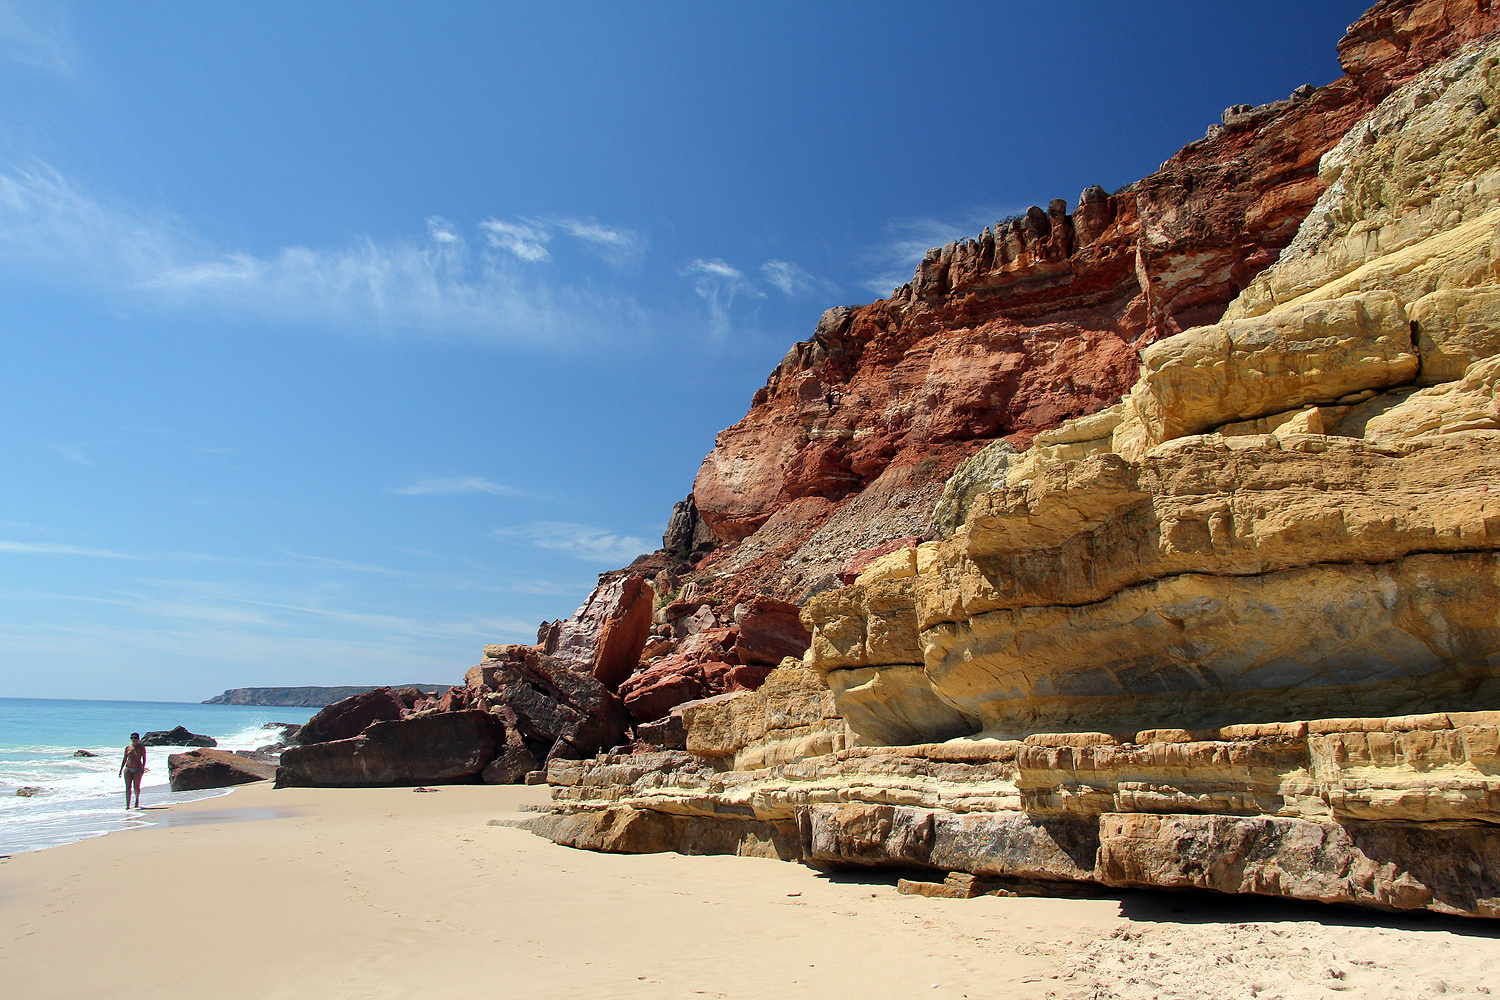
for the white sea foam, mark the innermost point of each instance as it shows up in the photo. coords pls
(81, 797)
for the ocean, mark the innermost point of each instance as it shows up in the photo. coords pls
(84, 797)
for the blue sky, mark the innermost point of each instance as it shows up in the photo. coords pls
(340, 339)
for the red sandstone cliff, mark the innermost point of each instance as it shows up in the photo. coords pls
(1039, 319)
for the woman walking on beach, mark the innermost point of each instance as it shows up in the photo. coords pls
(132, 766)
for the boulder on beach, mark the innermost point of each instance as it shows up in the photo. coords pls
(512, 765)
(441, 748)
(27, 791)
(348, 718)
(178, 736)
(84, 753)
(558, 707)
(206, 768)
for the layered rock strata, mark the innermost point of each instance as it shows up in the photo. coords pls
(1024, 336)
(1395, 813)
(1291, 513)
(1037, 320)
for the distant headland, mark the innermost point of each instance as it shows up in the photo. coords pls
(303, 697)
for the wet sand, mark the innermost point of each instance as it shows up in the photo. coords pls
(336, 893)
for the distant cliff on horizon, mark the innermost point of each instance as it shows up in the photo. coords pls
(304, 697)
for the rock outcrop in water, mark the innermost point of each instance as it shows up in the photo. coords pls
(1224, 613)
(177, 736)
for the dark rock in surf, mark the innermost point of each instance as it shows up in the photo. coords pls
(177, 737)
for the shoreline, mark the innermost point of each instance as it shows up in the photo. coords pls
(385, 892)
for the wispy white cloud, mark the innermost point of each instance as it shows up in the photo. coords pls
(794, 281)
(455, 485)
(28, 526)
(616, 245)
(36, 34)
(433, 284)
(50, 549)
(260, 635)
(718, 284)
(47, 222)
(590, 231)
(442, 231)
(715, 268)
(72, 454)
(527, 239)
(523, 242)
(488, 584)
(582, 541)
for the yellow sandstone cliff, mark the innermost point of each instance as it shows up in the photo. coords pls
(1240, 631)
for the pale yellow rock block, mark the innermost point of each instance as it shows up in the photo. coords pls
(1309, 420)
(1424, 774)
(891, 566)
(1469, 404)
(1233, 506)
(1312, 353)
(1457, 258)
(1456, 327)
(891, 634)
(928, 555)
(836, 619)
(1266, 774)
(1091, 427)
(1195, 650)
(1058, 503)
(791, 716)
(1074, 439)
(865, 624)
(1131, 438)
(1033, 460)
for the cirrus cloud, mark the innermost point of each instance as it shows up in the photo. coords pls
(582, 541)
(434, 284)
(454, 485)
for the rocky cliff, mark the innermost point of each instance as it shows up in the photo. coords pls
(301, 697)
(1036, 320)
(878, 431)
(1290, 513)
(1180, 539)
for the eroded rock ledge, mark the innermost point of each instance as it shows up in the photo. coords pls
(1396, 813)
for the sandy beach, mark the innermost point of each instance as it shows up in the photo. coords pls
(270, 893)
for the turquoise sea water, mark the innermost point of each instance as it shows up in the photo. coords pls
(84, 796)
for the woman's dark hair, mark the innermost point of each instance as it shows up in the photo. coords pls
(135, 736)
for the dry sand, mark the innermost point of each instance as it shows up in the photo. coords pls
(298, 893)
